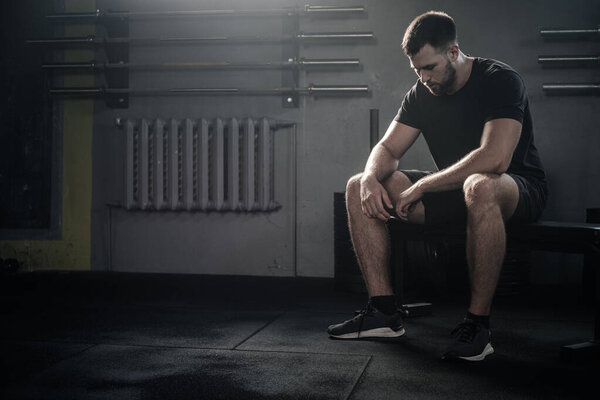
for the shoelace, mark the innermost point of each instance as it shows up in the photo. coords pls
(465, 331)
(368, 310)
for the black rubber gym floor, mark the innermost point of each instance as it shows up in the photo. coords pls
(84, 335)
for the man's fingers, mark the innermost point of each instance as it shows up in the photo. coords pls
(386, 199)
(370, 210)
(381, 211)
(403, 209)
(411, 207)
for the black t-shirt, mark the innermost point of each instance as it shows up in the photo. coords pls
(452, 124)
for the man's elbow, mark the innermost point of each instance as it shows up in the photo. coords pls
(500, 166)
(494, 162)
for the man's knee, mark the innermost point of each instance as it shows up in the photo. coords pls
(480, 190)
(353, 188)
(353, 183)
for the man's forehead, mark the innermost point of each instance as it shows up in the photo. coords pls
(426, 56)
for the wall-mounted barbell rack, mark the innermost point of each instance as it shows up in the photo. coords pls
(116, 45)
(571, 61)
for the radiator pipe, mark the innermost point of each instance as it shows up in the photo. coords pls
(573, 60)
(307, 10)
(572, 88)
(558, 34)
(301, 64)
(306, 91)
(301, 37)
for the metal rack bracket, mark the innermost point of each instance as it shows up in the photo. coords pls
(291, 52)
(117, 53)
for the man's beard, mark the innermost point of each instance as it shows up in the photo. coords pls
(444, 87)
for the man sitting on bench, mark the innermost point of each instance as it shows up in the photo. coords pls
(474, 114)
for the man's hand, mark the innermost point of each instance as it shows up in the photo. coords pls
(407, 201)
(374, 198)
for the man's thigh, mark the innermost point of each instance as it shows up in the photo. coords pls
(449, 207)
(532, 199)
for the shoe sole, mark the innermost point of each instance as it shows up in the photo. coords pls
(371, 333)
(486, 352)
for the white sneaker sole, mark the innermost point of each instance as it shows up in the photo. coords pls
(371, 333)
(486, 352)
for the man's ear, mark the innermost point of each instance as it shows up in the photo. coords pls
(452, 52)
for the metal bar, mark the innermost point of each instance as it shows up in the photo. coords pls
(572, 88)
(174, 172)
(292, 199)
(143, 201)
(308, 10)
(129, 166)
(557, 34)
(573, 60)
(335, 35)
(302, 64)
(217, 167)
(311, 90)
(187, 166)
(203, 187)
(248, 166)
(374, 126)
(329, 62)
(301, 37)
(264, 165)
(158, 169)
(233, 166)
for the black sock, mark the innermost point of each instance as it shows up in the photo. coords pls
(481, 319)
(385, 304)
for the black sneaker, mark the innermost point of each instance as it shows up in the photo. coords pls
(472, 342)
(369, 322)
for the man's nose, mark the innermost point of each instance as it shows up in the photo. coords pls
(424, 76)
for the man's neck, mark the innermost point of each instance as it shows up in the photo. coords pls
(463, 65)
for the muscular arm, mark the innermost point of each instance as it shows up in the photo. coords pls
(384, 157)
(498, 142)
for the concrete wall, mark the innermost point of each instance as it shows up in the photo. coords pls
(332, 141)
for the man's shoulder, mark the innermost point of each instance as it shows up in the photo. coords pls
(496, 75)
(489, 67)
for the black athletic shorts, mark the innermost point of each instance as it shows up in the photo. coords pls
(449, 207)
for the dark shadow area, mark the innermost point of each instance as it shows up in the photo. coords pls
(26, 119)
(150, 336)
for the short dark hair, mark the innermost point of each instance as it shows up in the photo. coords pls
(434, 27)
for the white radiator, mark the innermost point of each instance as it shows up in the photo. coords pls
(200, 164)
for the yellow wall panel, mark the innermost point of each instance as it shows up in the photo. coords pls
(72, 251)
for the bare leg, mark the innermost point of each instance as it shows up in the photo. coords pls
(491, 199)
(369, 235)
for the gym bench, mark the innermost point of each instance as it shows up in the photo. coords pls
(581, 238)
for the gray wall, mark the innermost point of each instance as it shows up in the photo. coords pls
(332, 140)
